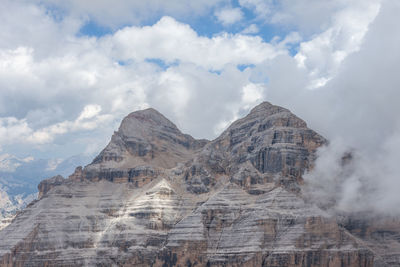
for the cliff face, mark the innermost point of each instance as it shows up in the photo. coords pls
(157, 197)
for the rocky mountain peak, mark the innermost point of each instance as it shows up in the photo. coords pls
(266, 106)
(157, 197)
(142, 123)
(146, 139)
(266, 116)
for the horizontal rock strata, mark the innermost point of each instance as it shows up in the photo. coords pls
(157, 197)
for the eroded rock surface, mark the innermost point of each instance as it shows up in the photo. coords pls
(157, 197)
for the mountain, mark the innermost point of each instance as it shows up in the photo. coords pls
(157, 197)
(19, 179)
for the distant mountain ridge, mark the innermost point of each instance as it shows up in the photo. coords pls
(19, 179)
(157, 197)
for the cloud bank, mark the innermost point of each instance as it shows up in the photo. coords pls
(356, 110)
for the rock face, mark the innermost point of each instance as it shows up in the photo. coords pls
(146, 138)
(48, 184)
(157, 197)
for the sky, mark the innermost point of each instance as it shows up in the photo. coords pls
(71, 70)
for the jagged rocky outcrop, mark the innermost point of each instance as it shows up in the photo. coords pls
(157, 197)
(48, 184)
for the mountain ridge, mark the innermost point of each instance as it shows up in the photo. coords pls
(157, 197)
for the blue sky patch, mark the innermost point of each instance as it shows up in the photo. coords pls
(91, 28)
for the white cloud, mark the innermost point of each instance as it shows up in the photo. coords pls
(87, 72)
(262, 8)
(161, 40)
(290, 39)
(325, 52)
(120, 12)
(331, 30)
(85, 87)
(357, 111)
(251, 29)
(13, 130)
(89, 111)
(251, 94)
(176, 89)
(228, 16)
(24, 24)
(308, 16)
(88, 120)
(187, 91)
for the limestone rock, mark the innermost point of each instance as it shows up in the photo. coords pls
(157, 197)
(146, 138)
(48, 184)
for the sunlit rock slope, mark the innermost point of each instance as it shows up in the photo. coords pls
(157, 197)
